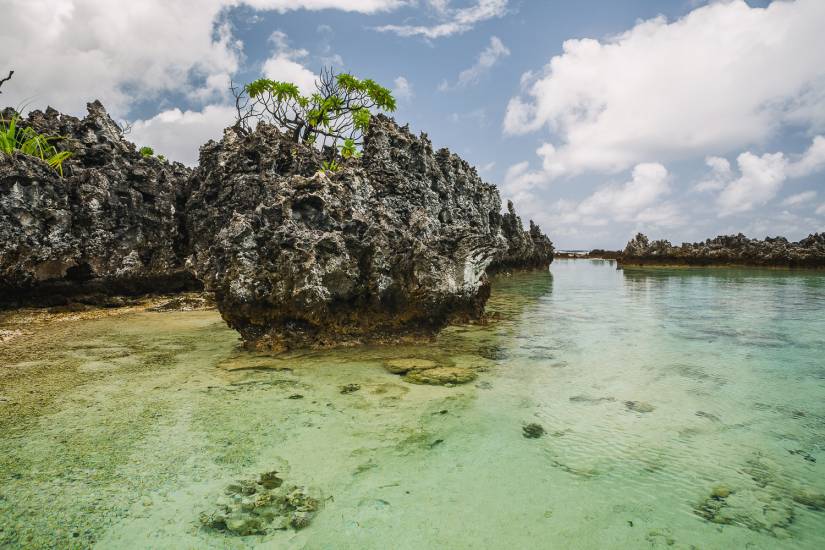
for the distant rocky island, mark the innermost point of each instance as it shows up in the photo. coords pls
(397, 242)
(594, 254)
(727, 250)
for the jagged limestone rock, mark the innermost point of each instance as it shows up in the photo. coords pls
(525, 249)
(393, 244)
(111, 225)
(728, 249)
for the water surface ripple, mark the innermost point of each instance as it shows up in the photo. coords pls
(681, 408)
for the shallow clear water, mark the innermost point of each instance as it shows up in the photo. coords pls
(119, 432)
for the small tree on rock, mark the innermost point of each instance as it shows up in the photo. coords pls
(336, 115)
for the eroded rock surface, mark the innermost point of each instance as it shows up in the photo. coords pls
(525, 249)
(728, 249)
(111, 225)
(393, 244)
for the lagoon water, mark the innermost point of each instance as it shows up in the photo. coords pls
(682, 409)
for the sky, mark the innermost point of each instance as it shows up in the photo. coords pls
(683, 119)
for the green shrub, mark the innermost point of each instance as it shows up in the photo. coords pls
(329, 166)
(147, 151)
(339, 112)
(27, 141)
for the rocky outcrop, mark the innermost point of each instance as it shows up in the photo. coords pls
(728, 250)
(392, 244)
(525, 249)
(396, 243)
(111, 225)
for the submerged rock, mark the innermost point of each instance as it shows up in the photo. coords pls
(758, 511)
(439, 376)
(532, 430)
(720, 491)
(639, 406)
(728, 249)
(403, 366)
(258, 506)
(811, 499)
(111, 225)
(396, 243)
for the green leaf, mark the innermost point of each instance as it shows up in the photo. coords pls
(361, 119)
(348, 149)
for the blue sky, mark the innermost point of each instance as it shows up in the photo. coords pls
(599, 118)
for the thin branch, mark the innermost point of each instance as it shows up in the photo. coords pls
(11, 73)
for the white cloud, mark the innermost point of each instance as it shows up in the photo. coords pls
(454, 21)
(402, 90)
(799, 199)
(284, 64)
(476, 116)
(283, 6)
(760, 180)
(813, 160)
(821, 209)
(720, 175)
(488, 57)
(178, 134)
(721, 78)
(638, 201)
(67, 52)
(629, 201)
(327, 56)
(761, 177)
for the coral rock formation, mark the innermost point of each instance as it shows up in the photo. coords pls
(525, 249)
(109, 226)
(392, 244)
(396, 243)
(728, 250)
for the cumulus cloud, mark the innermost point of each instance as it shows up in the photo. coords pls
(488, 57)
(285, 64)
(761, 177)
(402, 89)
(124, 51)
(799, 199)
(452, 20)
(721, 78)
(813, 160)
(638, 201)
(719, 176)
(630, 201)
(178, 134)
(759, 181)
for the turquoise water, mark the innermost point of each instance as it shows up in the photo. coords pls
(657, 389)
